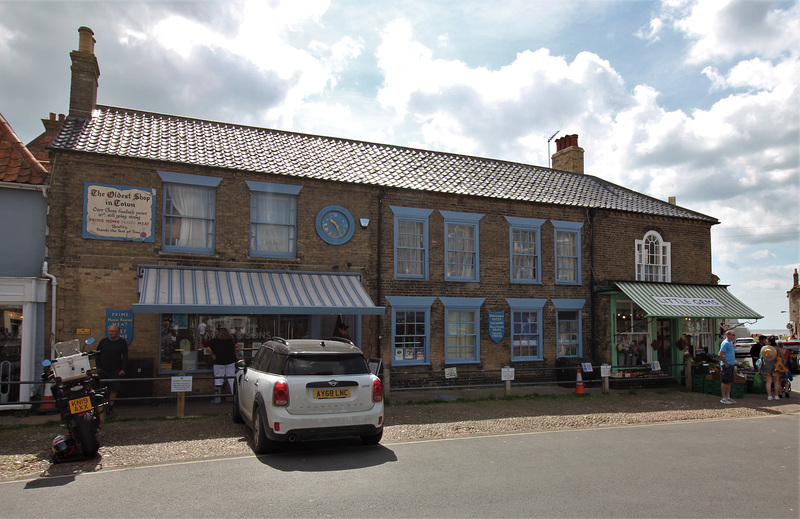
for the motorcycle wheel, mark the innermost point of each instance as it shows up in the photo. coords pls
(85, 437)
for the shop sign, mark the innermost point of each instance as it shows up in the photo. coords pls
(497, 325)
(113, 212)
(687, 301)
(123, 319)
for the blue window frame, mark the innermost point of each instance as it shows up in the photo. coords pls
(273, 219)
(462, 329)
(526, 328)
(411, 330)
(461, 248)
(568, 252)
(525, 249)
(569, 330)
(189, 212)
(410, 242)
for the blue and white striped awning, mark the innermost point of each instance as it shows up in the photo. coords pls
(170, 289)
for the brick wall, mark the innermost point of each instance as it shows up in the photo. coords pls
(98, 274)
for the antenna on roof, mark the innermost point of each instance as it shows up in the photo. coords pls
(549, 157)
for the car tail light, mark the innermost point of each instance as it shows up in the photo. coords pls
(377, 391)
(280, 394)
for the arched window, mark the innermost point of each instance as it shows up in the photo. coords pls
(653, 258)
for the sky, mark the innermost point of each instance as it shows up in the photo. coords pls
(696, 99)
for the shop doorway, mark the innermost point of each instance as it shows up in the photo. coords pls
(10, 353)
(663, 342)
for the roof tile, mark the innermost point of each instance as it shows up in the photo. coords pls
(151, 136)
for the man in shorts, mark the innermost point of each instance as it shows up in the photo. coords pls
(727, 358)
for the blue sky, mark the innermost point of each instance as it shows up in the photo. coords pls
(693, 99)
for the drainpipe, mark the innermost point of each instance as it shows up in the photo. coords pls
(54, 287)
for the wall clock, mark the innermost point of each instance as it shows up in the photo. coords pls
(335, 224)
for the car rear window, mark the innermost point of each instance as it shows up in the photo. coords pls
(354, 364)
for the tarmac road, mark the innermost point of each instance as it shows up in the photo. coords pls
(682, 469)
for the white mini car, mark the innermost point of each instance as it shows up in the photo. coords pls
(300, 390)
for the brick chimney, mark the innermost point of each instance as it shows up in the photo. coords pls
(568, 155)
(85, 71)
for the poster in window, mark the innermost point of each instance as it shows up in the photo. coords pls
(112, 212)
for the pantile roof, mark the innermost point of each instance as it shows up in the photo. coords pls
(152, 136)
(17, 163)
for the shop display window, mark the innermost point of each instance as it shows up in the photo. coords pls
(184, 338)
(633, 334)
(697, 334)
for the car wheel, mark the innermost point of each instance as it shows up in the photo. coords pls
(235, 412)
(261, 444)
(372, 439)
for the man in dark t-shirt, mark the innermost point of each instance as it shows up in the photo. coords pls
(112, 360)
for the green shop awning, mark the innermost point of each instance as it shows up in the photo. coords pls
(669, 300)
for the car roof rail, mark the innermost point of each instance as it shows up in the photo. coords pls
(280, 339)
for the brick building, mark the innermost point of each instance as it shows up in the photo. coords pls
(175, 227)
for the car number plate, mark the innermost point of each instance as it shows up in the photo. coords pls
(80, 405)
(337, 392)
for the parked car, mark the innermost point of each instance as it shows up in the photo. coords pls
(793, 345)
(302, 389)
(742, 346)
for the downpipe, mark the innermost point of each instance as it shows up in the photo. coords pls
(53, 289)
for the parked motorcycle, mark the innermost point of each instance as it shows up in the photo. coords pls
(79, 399)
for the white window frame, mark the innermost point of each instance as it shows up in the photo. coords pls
(653, 265)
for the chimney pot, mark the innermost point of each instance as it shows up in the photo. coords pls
(568, 156)
(86, 41)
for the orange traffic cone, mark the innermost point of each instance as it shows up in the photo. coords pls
(49, 405)
(579, 383)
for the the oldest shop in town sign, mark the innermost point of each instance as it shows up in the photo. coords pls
(118, 212)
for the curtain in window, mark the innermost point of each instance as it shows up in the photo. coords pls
(273, 216)
(195, 205)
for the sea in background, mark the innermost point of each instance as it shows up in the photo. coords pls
(783, 333)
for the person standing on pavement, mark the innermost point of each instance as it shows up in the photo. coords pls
(755, 350)
(112, 360)
(727, 358)
(223, 353)
(772, 377)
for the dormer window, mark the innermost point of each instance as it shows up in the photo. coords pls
(653, 258)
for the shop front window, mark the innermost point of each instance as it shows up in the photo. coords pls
(10, 352)
(633, 334)
(697, 335)
(184, 338)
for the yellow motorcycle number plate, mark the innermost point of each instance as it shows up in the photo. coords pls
(80, 405)
(341, 392)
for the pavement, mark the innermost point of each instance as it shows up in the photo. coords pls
(203, 406)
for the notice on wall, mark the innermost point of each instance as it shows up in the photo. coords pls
(118, 212)
(450, 373)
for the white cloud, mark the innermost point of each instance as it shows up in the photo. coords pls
(724, 29)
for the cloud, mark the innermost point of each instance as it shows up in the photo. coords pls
(724, 29)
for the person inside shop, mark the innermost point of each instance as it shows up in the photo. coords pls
(223, 354)
(340, 329)
(727, 359)
(755, 350)
(112, 360)
(167, 335)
